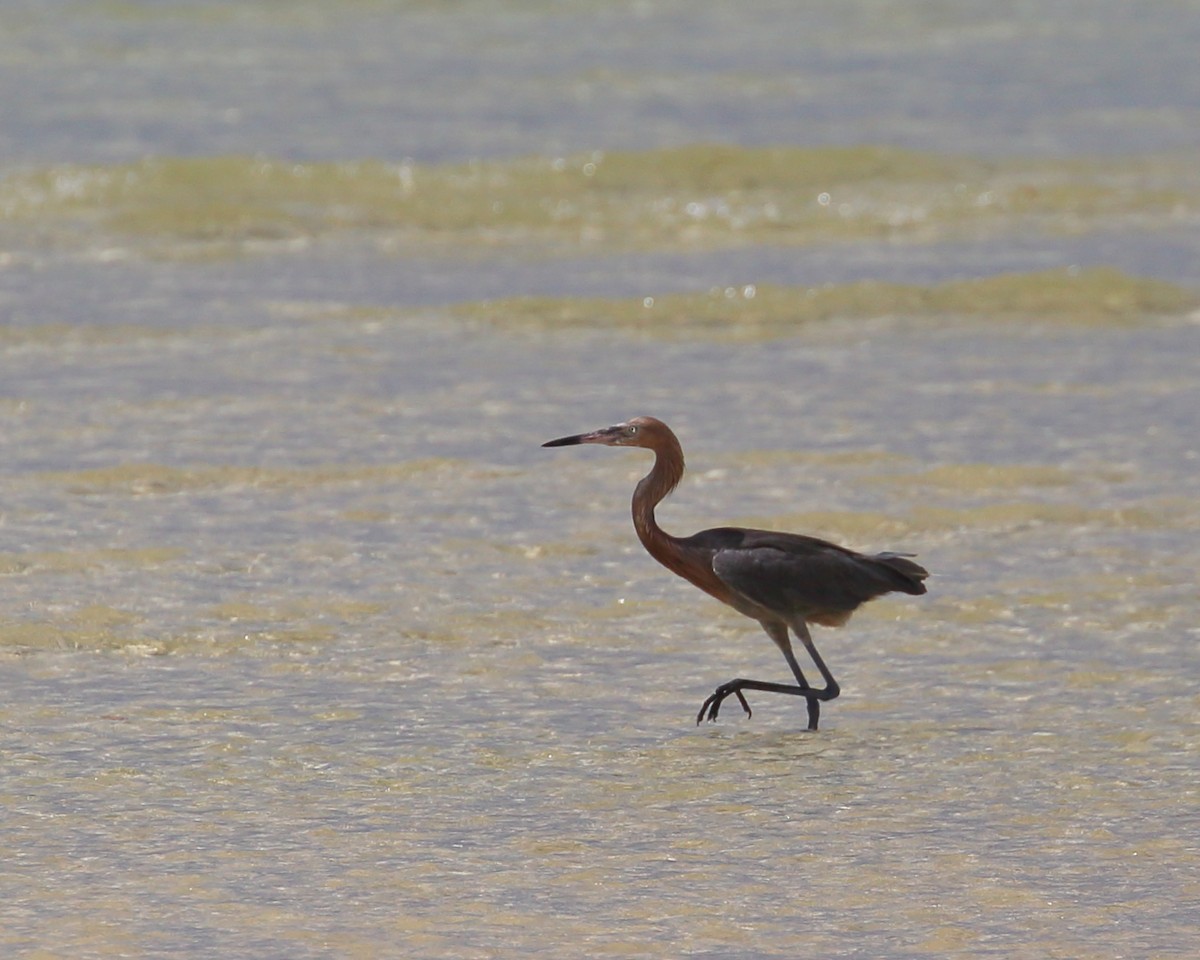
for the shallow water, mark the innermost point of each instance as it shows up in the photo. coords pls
(310, 650)
(335, 660)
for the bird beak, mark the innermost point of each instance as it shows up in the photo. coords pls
(607, 435)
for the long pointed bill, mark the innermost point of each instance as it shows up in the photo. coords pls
(606, 435)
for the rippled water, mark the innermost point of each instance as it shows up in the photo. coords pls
(439, 81)
(310, 650)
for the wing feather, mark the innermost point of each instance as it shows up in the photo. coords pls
(797, 576)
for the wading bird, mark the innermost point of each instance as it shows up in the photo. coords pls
(781, 580)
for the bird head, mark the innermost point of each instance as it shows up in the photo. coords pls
(637, 432)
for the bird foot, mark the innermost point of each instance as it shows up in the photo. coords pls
(713, 704)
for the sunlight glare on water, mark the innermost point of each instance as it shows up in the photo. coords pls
(455, 696)
(310, 650)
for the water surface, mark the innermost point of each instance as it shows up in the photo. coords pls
(310, 650)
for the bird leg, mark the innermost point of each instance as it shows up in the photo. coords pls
(778, 632)
(712, 706)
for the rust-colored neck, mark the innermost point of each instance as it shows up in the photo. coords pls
(650, 492)
(694, 565)
(653, 488)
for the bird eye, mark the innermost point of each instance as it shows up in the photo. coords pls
(631, 430)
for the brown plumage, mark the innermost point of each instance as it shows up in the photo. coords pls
(782, 580)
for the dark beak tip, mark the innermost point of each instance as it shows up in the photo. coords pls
(561, 442)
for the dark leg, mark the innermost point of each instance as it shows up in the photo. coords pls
(832, 688)
(814, 703)
(778, 632)
(712, 706)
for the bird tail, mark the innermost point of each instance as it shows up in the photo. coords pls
(904, 573)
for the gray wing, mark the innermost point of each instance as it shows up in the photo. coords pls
(804, 577)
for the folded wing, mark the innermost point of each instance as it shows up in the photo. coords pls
(796, 576)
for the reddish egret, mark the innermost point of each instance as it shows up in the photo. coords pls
(781, 580)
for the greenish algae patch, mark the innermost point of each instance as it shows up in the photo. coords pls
(79, 561)
(94, 627)
(975, 477)
(56, 334)
(702, 196)
(868, 527)
(155, 478)
(1018, 514)
(858, 459)
(850, 526)
(1096, 296)
(248, 611)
